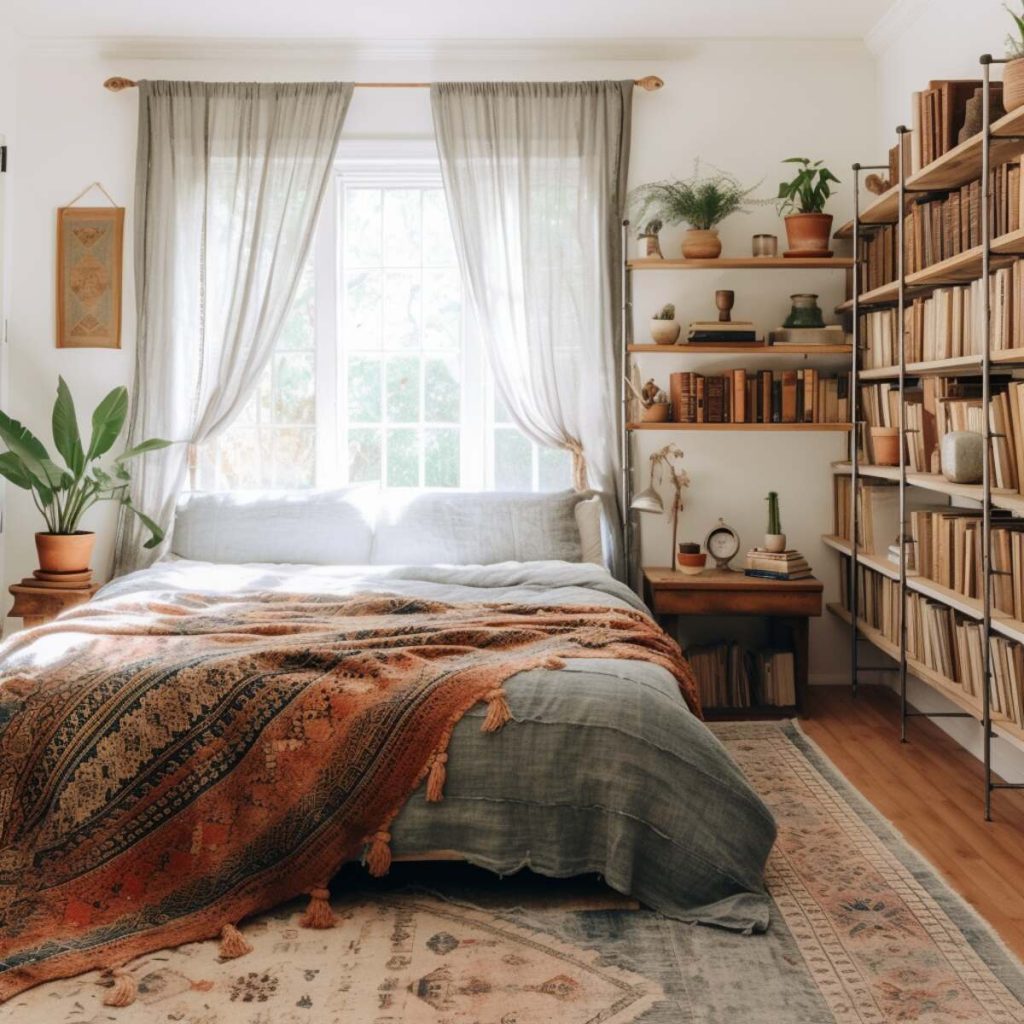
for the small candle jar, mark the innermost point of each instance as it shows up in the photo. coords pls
(766, 245)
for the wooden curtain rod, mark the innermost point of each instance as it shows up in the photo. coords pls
(650, 83)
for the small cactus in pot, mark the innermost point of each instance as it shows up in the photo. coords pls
(774, 539)
(664, 327)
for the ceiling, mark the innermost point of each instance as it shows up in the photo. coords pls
(580, 21)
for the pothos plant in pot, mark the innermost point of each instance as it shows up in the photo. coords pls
(64, 494)
(1013, 72)
(802, 200)
(702, 202)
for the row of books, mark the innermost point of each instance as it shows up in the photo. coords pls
(739, 396)
(782, 565)
(939, 225)
(729, 676)
(948, 323)
(943, 640)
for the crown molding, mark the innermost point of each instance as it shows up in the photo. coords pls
(423, 50)
(898, 18)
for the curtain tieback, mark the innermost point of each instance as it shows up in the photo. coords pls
(579, 464)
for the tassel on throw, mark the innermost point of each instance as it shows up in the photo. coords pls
(436, 779)
(497, 711)
(318, 914)
(124, 989)
(232, 943)
(378, 857)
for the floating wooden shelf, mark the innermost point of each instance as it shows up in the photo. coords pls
(1008, 358)
(742, 263)
(740, 426)
(761, 348)
(951, 170)
(1011, 501)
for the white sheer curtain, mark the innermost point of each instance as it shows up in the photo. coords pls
(229, 181)
(535, 174)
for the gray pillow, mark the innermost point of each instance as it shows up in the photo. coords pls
(475, 528)
(298, 527)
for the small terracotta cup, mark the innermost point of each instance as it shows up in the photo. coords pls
(886, 444)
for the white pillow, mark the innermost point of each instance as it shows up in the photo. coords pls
(297, 527)
(588, 522)
(475, 528)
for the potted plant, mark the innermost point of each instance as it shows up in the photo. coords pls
(802, 200)
(702, 202)
(691, 559)
(664, 326)
(774, 539)
(1013, 72)
(64, 495)
(647, 236)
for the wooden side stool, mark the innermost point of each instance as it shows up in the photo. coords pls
(35, 605)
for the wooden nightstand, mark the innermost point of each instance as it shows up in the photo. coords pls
(787, 603)
(36, 605)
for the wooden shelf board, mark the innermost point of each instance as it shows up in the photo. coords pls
(762, 348)
(937, 367)
(878, 472)
(741, 426)
(742, 263)
(871, 561)
(882, 211)
(875, 297)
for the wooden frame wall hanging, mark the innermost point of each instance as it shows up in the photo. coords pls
(90, 242)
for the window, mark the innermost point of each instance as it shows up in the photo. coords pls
(378, 374)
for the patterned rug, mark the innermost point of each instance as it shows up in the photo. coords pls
(863, 932)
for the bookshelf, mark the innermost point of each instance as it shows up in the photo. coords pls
(984, 677)
(742, 263)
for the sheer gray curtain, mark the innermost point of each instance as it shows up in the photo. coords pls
(229, 181)
(535, 174)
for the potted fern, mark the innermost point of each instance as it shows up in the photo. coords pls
(802, 200)
(1013, 72)
(702, 202)
(64, 494)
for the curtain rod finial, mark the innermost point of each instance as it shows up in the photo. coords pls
(116, 84)
(652, 83)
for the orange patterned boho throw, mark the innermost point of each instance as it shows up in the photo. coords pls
(169, 767)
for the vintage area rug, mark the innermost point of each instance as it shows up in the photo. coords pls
(863, 932)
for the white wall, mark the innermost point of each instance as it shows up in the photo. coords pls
(917, 42)
(72, 132)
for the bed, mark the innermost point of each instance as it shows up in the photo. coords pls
(602, 767)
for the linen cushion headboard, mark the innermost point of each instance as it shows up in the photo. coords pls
(460, 528)
(298, 527)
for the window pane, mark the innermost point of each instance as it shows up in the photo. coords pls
(294, 387)
(438, 246)
(403, 389)
(501, 413)
(362, 227)
(298, 331)
(403, 458)
(401, 309)
(363, 309)
(364, 455)
(441, 457)
(402, 230)
(241, 462)
(441, 390)
(513, 461)
(364, 380)
(554, 469)
(442, 309)
(295, 457)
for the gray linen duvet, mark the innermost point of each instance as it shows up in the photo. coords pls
(604, 769)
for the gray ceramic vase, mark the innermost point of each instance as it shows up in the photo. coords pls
(961, 456)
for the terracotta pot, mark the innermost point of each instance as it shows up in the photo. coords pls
(1013, 84)
(665, 332)
(691, 565)
(885, 443)
(657, 413)
(808, 233)
(775, 543)
(699, 244)
(65, 552)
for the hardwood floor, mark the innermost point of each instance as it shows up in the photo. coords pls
(931, 790)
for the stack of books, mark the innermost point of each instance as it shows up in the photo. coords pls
(830, 334)
(776, 672)
(716, 331)
(729, 676)
(786, 565)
